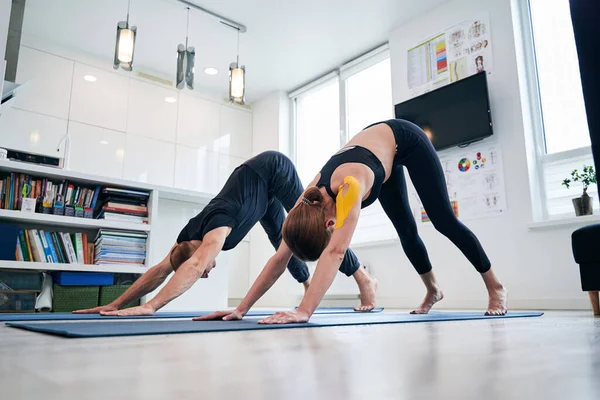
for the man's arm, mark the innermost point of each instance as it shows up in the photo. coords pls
(144, 285)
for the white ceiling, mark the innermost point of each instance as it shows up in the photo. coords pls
(288, 43)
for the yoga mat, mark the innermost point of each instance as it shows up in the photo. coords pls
(137, 328)
(158, 315)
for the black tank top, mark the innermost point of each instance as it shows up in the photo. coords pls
(354, 154)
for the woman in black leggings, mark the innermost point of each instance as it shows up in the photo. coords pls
(370, 167)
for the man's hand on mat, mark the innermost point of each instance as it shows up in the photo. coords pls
(229, 315)
(286, 317)
(130, 312)
(97, 310)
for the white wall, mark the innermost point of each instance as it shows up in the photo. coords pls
(537, 267)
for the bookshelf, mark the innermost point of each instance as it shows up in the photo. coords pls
(38, 266)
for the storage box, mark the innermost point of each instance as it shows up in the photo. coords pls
(108, 294)
(71, 298)
(21, 280)
(17, 301)
(83, 278)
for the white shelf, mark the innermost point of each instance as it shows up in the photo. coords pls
(70, 222)
(569, 222)
(37, 266)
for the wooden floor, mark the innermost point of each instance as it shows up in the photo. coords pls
(556, 356)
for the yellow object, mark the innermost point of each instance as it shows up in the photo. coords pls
(345, 202)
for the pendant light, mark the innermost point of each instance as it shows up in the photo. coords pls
(185, 61)
(125, 43)
(237, 78)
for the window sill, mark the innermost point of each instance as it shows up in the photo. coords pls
(565, 222)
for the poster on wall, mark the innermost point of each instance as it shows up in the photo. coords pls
(456, 53)
(475, 180)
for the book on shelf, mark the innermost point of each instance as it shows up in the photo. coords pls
(119, 247)
(122, 205)
(54, 247)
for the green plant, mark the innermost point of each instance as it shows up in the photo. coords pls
(587, 177)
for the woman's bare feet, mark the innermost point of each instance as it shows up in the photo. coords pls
(497, 293)
(433, 296)
(368, 289)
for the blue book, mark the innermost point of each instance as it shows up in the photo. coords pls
(95, 198)
(52, 248)
(47, 252)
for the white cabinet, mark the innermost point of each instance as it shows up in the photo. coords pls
(46, 81)
(226, 166)
(235, 136)
(31, 132)
(99, 98)
(239, 280)
(198, 122)
(152, 111)
(149, 160)
(196, 169)
(96, 150)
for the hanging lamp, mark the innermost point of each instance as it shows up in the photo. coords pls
(125, 43)
(185, 61)
(237, 78)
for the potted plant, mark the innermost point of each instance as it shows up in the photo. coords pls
(583, 204)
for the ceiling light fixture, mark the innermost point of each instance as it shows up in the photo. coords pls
(125, 44)
(103, 142)
(90, 78)
(170, 99)
(237, 78)
(211, 71)
(185, 61)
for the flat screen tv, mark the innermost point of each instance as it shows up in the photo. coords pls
(454, 115)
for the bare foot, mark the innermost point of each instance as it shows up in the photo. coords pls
(498, 298)
(368, 289)
(432, 297)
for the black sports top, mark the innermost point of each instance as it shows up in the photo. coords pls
(354, 154)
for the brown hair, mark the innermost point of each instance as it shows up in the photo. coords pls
(304, 229)
(181, 253)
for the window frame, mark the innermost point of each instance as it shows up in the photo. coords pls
(342, 73)
(533, 113)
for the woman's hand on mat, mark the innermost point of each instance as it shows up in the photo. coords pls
(229, 315)
(97, 310)
(130, 312)
(286, 317)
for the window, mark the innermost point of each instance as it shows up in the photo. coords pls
(563, 108)
(329, 112)
(317, 128)
(562, 134)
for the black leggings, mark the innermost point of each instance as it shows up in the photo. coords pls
(416, 153)
(272, 222)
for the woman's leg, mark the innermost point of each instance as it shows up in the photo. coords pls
(428, 178)
(394, 200)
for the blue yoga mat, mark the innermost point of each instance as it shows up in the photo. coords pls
(87, 329)
(159, 315)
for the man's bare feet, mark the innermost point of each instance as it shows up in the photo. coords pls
(433, 296)
(368, 289)
(497, 303)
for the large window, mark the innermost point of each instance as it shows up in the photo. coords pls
(317, 128)
(563, 135)
(329, 112)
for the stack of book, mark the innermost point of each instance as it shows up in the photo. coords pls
(123, 205)
(118, 247)
(54, 247)
(51, 197)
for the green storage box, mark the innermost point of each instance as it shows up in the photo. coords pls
(71, 298)
(108, 294)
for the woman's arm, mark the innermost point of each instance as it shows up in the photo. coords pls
(327, 268)
(269, 275)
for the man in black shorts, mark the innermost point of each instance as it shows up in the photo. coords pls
(257, 191)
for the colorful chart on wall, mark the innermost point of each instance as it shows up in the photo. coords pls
(456, 53)
(475, 180)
